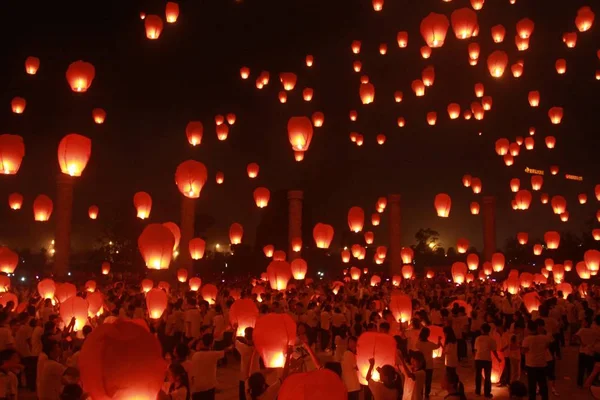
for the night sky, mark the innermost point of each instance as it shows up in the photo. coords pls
(152, 88)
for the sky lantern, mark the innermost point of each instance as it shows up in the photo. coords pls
(105, 269)
(190, 177)
(596, 234)
(529, 143)
(407, 254)
(536, 182)
(236, 232)
(555, 114)
(401, 307)
(558, 273)
(402, 39)
(279, 255)
(273, 333)
(453, 110)
(98, 115)
(476, 185)
(473, 261)
(584, 19)
(307, 94)
(552, 239)
(300, 132)
(194, 131)
(550, 142)
(261, 197)
(209, 293)
(521, 43)
(525, 28)
(356, 219)
(90, 286)
(15, 201)
(425, 52)
(534, 98)
(74, 152)
(559, 204)
(154, 26)
(222, 132)
(497, 62)
(8, 260)
(196, 247)
(174, 228)
(279, 273)
(252, 170)
(288, 80)
(523, 199)
(486, 103)
(195, 283)
(18, 105)
(514, 185)
(582, 270)
(80, 75)
(568, 264)
(474, 207)
(377, 5)
(582, 198)
(554, 169)
(517, 70)
(75, 307)
(477, 4)
(323, 235)
(564, 217)
(156, 302)
(466, 180)
(309, 60)
(434, 28)
(32, 64)
(296, 244)
(142, 202)
(374, 345)
(418, 87)
(383, 49)
(375, 219)
(171, 12)
(498, 262)
(42, 208)
(561, 66)
(299, 269)
(537, 249)
(502, 146)
(147, 285)
(355, 46)
(353, 115)
(522, 238)
(46, 288)
(431, 118)
(268, 250)
(474, 51)
(398, 95)
(367, 93)
(428, 76)
(592, 260)
(401, 122)
(498, 32)
(487, 268)
(355, 273)
(508, 160)
(396, 280)
(570, 39)
(93, 212)
(381, 204)
(442, 205)
(219, 177)
(243, 314)
(12, 151)
(514, 149)
(526, 279)
(317, 119)
(156, 244)
(407, 271)
(462, 245)
(459, 272)
(345, 254)
(357, 66)
(244, 72)
(464, 22)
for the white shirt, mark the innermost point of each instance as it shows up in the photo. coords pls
(50, 385)
(203, 374)
(246, 353)
(451, 352)
(427, 349)
(537, 346)
(350, 372)
(36, 341)
(325, 320)
(193, 322)
(21, 340)
(6, 338)
(219, 324)
(42, 358)
(338, 319)
(484, 345)
(588, 337)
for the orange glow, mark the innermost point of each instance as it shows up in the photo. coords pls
(261, 197)
(156, 244)
(236, 232)
(190, 177)
(74, 152)
(171, 12)
(32, 64)
(12, 151)
(42, 208)
(442, 205)
(93, 212)
(80, 76)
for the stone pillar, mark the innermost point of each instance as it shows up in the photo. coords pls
(395, 239)
(489, 227)
(188, 217)
(295, 198)
(62, 228)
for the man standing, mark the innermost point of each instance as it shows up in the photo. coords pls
(203, 372)
(535, 347)
(485, 346)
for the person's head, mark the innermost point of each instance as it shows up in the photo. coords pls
(10, 360)
(181, 352)
(485, 329)
(424, 334)
(384, 327)
(52, 349)
(71, 391)
(86, 330)
(417, 360)
(257, 384)
(532, 326)
(517, 390)
(449, 335)
(177, 375)
(352, 344)
(207, 340)
(248, 332)
(388, 376)
(416, 323)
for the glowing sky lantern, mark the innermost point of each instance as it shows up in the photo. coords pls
(377, 5)
(46, 288)
(209, 293)
(323, 235)
(466, 180)
(18, 105)
(477, 4)
(105, 269)
(288, 80)
(514, 149)
(300, 132)
(497, 62)
(582, 270)
(407, 254)
(345, 254)
(74, 152)
(98, 115)
(401, 307)
(536, 182)
(534, 98)
(550, 142)
(80, 76)
(236, 232)
(194, 131)
(464, 22)
(296, 243)
(383, 49)
(462, 245)
(171, 12)
(592, 260)
(8, 260)
(582, 198)
(190, 177)
(317, 119)
(476, 185)
(517, 70)
(584, 19)
(502, 146)
(156, 244)
(498, 33)
(42, 208)
(498, 262)
(299, 268)
(154, 26)
(428, 76)
(431, 118)
(219, 177)
(529, 143)
(407, 271)
(525, 28)
(425, 52)
(65, 291)
(474, 51)
(307, 94)
(442, 203)
(278, 274)
(402, 39)
(552, 239)
(261, 197)
(32, 64)
(93, 212)
(473, 261)
(434, 28)
(355, 46)
(273, 333)
(75, 307)
(12, 151)
(459, 272)
(243, 313)
(142, 202)
(559, 204)
(515, 183)
(523, 199)
(156, 302)
(15, 201)
(570, 39)
(175, 231)
(453, 110)
(252, 170)
(474, 207)
(555, 114)
(196, 247)
(561, 66)
(356, 219)
(367, 93)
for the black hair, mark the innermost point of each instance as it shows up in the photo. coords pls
(450, 335)
(177, 369)
(396, 382)
(257, 384)
(424, 334)
(335, 367)
(485, 328)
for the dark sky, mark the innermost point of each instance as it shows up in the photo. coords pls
(151, 89)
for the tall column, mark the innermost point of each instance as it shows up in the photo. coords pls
(188, 217)
(62, 228)
(489, 227)
(295, 198)
(395, 239)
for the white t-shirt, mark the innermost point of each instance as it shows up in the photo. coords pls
(203, 373)
(193, 322)
(427, 349)
(6, 338)
(414, 389)
(21, 344)
(380, 392)
(36, 341)
(325, 320)
(42, 358)
(537, 346)
(451, 352)
(588, 338)
(50, 385)
(246, 353)
(350, 372)
(484, 345)
(338, 319)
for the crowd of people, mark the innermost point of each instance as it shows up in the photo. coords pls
(480, 323)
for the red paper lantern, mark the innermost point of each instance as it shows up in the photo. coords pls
(323, 235)
(80, 76)
(236, 232)
(154, 26)
(272, 335)
(299, 268)
(42, 208)
(156, 244)
(279, 273)
(196, 248)
(434, 28)
(442, 205)
(190, 178)
(12, 151)
(142, 202)
(74, 152)
(243, 314)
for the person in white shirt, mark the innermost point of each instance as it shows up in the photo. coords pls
(249, 358)
(450, 350)
(325, 327)
(193, 320)
(6, 337)
(178, 386)
(52, 372)
(218, 324)
(485, 346)
(587, 338)
(350, 370)
(426, 347)
(203, 372)
(535, 347)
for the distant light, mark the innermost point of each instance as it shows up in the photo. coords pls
(217, 245)
(69, 273)
(36, 277)
(22, 279)
(110, 243)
